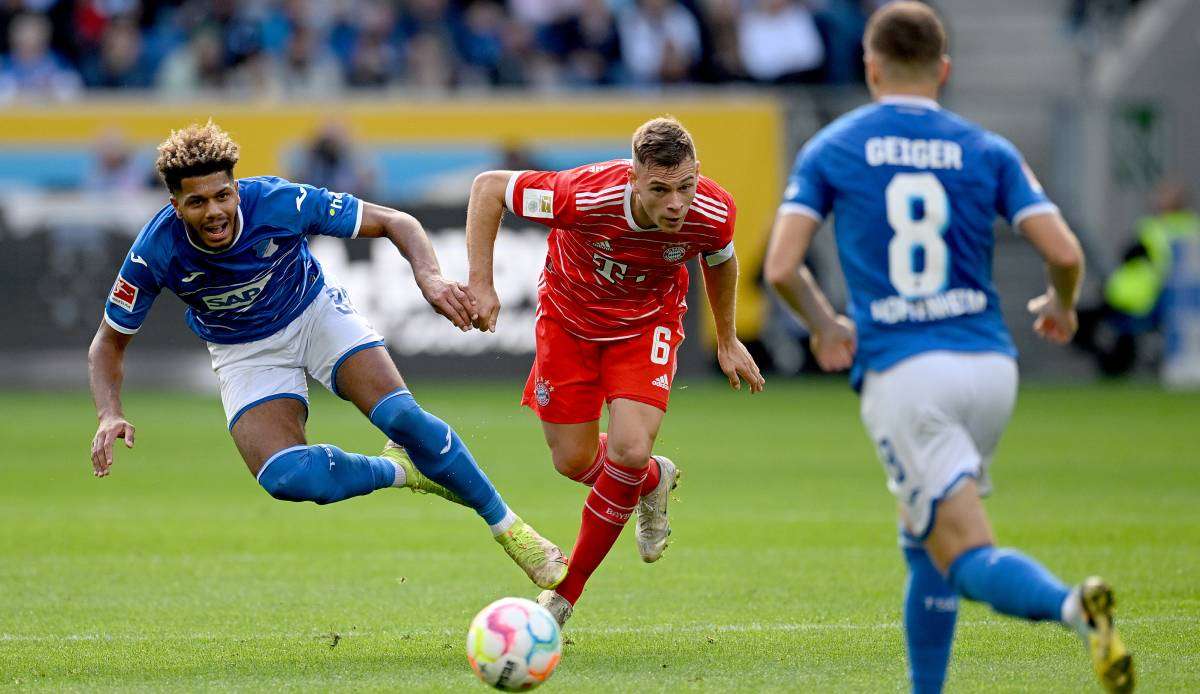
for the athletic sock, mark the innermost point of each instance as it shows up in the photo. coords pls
(588, 476)
(607, 508)
(324, 474)
(1012, 583)
(438, 452)
(930, 610)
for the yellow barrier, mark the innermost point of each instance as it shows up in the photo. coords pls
(739, 139)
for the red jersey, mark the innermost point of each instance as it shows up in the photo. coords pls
(605, 277)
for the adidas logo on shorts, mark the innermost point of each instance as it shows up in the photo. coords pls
(662, 382)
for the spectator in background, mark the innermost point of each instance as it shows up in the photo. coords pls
(307, 69)
(119, 64)
(593, 56)
(374, 59)
(481, 42)
(660, 41)
(427, 62)
(842, 23)
(1132, 303)
(332, 161)
(198, 65)
(115, 167)
(31, 69)
(779, 43)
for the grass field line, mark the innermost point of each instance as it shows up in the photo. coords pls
(751, 627)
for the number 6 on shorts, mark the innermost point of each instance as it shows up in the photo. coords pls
(660, 350)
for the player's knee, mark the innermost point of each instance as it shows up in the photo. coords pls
(629, 453)
(296, 474)
(572, 462)
(400, 417)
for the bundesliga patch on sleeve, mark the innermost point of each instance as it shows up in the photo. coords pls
(538, 203)
(124, 294)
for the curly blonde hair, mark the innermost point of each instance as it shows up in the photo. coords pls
(197, 150)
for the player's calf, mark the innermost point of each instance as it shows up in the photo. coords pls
(324, 474)
(439, 453)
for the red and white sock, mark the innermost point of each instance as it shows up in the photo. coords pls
(588, 476)
(605, 512)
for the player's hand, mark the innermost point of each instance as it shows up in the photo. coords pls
(451, 299)
(110, 429)
(737, 364)
(487, 304)
(834, 344)
(1053, 322)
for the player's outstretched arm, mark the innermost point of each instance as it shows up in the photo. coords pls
(106, 371)
(448, 298)
(833, 337)
(1055, 319)
(720, 283)
(485, 209)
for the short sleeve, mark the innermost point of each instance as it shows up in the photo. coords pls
(808, 191)
(132, 294)
(545, 197)
(327, 213)
(1019, 195)
(722, 249)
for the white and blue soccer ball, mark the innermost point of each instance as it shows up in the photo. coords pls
(514, 644)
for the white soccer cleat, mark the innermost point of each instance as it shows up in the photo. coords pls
(556, 605)
(653, 528)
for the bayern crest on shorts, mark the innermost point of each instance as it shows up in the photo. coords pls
(674, 254)
(541, 391)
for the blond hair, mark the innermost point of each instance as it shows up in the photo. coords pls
(664, 142)
(197, 150)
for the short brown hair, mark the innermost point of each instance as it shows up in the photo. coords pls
(909, 37)
(663, 142)
(197, 150)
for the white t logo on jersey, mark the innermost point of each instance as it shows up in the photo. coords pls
(609, 269)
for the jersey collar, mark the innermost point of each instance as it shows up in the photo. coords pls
(907, 100)
(236, 235)
(629, 211)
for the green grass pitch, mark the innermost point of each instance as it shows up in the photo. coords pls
(179, 573)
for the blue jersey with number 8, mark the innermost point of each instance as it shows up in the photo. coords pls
(914, 191)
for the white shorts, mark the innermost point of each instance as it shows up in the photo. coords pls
(935, 419)
(316, 343)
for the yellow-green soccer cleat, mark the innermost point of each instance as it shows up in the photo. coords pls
(538, 557)
(414, 480)
(1111, 660)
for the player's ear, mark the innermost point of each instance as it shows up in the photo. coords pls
(944, 71)
(175, 205)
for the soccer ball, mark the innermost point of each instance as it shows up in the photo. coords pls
(514, 644)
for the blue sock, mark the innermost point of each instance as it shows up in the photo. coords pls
(437, 452)
(323, 474)
(1012, 583)
(930, 610)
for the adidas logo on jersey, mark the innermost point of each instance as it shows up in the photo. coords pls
(662, 382)
(603, 245)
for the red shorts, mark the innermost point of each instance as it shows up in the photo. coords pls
(572, 377)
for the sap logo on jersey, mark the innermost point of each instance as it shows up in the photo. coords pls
(538, 203)
(236, 298)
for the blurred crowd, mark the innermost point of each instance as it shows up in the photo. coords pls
(310, 48)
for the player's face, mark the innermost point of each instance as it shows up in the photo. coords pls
(666, 193)
(208, 207)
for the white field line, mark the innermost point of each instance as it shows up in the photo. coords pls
(752, 627)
